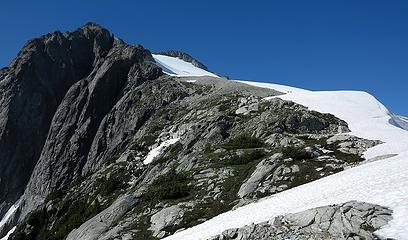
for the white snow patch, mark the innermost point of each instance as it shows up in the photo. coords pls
(9, 213)
(8, 234)
(158, 150)
(176, 67)
(383, 182)
(12, 210)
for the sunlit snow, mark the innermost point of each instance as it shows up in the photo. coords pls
(6, 218)
(177, 67)
(8, 234)
(158, 150)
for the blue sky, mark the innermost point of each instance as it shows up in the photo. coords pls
(318, 45)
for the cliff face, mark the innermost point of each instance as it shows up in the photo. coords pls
(31, 90)
(54, 95)
(79, 115)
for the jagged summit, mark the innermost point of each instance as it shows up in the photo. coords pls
(93, 26)
(83, 68)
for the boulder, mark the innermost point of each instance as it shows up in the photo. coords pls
(166, 217)
(261, 171)
(96, 226)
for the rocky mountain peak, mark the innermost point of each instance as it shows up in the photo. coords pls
(83, 68)
(92, 26)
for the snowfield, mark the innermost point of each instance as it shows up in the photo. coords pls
(366, 116)
(383, 180)
(177, 67)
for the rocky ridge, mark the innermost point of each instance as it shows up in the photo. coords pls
(351, 220)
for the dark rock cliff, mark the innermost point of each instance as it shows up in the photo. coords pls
(54, 96)
(31, 89)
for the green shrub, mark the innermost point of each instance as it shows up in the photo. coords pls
(247, 157)
(56, 194)
(70, 216)
(296, 153)
(138, 147)
(207, 148)
(36, 219)
(171, 185)
(109, 186)
(224, 106)
(77, 213)
(243, 141)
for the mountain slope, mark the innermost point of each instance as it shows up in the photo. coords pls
(128, 152)
(382, 182)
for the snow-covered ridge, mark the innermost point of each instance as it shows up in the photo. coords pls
(177, 67)
(383, 182)
(401, 121)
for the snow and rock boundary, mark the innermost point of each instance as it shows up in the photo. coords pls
(383, 182)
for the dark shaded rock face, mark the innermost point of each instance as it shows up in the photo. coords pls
(185, 57)
(54, 95)
(31, 89)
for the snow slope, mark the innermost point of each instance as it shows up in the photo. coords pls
(7, 217)
(383, 182)
(9, 213)
(177, 67)
(365, 115)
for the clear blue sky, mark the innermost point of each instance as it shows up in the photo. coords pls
(337, 44)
